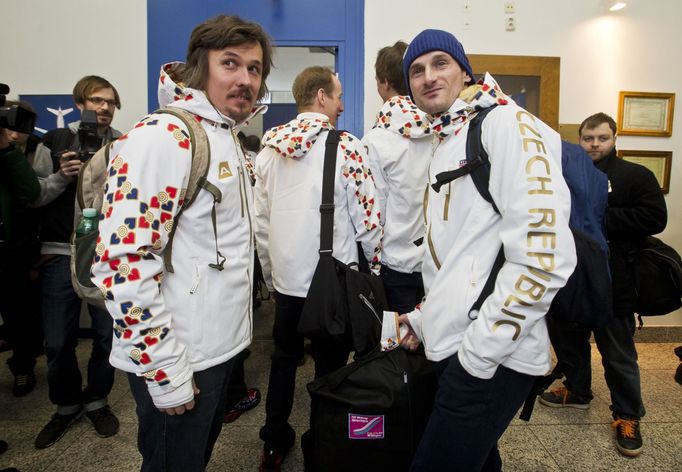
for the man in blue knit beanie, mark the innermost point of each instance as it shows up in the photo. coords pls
(489, 353)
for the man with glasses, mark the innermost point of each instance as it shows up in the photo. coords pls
(61, 305)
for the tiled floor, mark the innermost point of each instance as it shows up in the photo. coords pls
(554, 440)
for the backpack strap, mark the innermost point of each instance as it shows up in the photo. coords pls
(327, 204)
(201, 158)
(86, 167)
(478, 164)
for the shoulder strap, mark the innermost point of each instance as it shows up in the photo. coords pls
(327, 205)
(86, 167)
(201, 158)
(477, 164)
(201, 151)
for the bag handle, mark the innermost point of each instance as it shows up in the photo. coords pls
(327, 204)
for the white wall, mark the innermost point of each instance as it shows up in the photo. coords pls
(601, 54)
(48, 45)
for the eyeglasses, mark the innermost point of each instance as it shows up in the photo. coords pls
(100, 101)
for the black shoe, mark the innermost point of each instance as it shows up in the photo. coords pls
(3, 446)
(55, 429)
(24, 384)
(628, 437)
(271, 460)
(561, 397)
(105, 422)
(249, 402)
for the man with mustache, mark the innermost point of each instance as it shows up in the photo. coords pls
(179, 329)
(61, 305)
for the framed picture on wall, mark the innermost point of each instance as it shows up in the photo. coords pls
(645, 113)
(658, 162)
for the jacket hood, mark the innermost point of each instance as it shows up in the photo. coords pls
(172, 92)
(295, 138)
(400, 115)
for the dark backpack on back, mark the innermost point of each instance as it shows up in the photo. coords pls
(586, 297)
(658, 275)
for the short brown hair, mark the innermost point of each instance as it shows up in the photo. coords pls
(309, 81)
(389, 66)
(595, 120)
(218, 33)
(90, 84)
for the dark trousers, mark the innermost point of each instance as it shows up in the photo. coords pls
(236, 387)
(403, 291)
(468, 418)
(182, 443)
(61, 315)
(17, 308)
(329, 356)
(616, 345)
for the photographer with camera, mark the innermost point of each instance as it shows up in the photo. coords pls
(67, 149)
(19, 244)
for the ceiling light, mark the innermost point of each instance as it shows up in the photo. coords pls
(617, 5)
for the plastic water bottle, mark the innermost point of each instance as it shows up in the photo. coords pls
(88, 223)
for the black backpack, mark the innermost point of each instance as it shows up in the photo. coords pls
(658, 277)
(586, 297)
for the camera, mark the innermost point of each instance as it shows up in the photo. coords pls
(15, 117)
(89, 141)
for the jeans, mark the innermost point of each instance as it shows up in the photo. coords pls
(616, 345)
(61, 314)
(182, 443)
(329, 356)
(468, 418)
(403, 291)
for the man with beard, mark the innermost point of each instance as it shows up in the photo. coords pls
(61, 305)
(636, 210)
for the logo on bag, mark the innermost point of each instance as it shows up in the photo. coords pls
(365, 427)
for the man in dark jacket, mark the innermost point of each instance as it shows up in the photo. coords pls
(18, 246)
(636, 210)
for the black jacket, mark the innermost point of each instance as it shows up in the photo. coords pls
(636, 210)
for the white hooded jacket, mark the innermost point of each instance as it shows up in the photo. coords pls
(398, 151)
(464, 234)
(288, 194)
(169, 325)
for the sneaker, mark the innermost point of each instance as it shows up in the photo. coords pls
(628, 437)
(24, 384)
(561, 397)
(249, 402)
(271, 461)
(104, 421)
(55, 429)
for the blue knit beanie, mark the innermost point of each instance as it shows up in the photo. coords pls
(434, 40)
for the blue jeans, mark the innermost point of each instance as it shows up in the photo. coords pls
(403, 291)
(61, 314)
(468, 418)
(616, 345)
(182, 443)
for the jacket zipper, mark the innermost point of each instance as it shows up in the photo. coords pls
(195, 285)
(244, 203)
